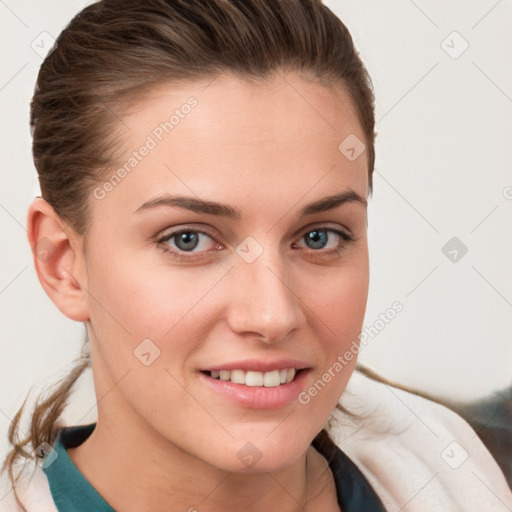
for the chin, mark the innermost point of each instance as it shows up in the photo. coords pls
(261, 454)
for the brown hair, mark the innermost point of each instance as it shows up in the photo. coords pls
(115, 51)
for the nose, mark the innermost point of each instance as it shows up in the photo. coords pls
(264, 303)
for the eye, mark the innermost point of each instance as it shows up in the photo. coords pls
(325, 238)
(187, 241)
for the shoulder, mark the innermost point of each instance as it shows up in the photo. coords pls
(416, 452)
(32, 488)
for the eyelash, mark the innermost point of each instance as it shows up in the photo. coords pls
(345, 238)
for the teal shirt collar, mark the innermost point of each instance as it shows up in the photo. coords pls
(71, 491)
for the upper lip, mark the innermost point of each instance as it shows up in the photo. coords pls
(259, 365)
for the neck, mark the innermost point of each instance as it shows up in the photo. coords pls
(132, 476)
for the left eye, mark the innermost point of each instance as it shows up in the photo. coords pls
(187, 241)
(319, 238)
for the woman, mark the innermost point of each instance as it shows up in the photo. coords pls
(205, 169)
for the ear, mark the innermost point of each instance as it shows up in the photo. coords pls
(58, 259)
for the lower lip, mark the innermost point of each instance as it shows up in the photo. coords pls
(258, 397)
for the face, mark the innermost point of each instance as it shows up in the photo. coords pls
(216, 268)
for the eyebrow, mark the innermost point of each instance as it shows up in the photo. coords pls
(223, 210)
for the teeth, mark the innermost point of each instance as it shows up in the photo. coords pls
(238, 376)
(271, 379)
(250, 378)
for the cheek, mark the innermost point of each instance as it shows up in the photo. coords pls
(136, 301)
(142, 297)
(340, 298)
(344, 299)
(340, 306)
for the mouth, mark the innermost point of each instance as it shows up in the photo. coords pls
(257, 383)
(253, 378)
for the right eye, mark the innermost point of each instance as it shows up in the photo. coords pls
(187, 241)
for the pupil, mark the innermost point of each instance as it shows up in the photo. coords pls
(187, 240)
(316, 238)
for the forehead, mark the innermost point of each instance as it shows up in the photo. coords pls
(226, 136)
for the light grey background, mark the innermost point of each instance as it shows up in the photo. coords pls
(443, 170)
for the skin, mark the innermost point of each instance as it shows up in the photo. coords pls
(162, 436)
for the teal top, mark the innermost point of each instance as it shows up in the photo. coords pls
(72, 492)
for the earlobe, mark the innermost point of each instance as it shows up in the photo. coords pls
(58, 260)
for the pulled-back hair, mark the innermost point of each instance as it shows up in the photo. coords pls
(114, 52)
